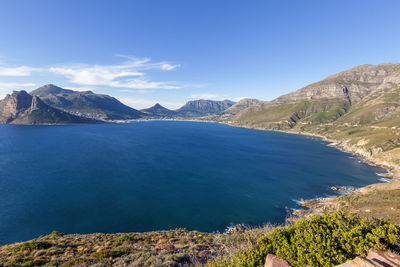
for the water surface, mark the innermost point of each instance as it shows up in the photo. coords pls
(159, 175)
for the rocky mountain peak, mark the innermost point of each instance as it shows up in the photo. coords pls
(15, 103)
(37, 103)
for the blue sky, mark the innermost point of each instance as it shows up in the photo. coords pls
(171, 51)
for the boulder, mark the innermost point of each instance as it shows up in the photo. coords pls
(360, 262)
(274, 261)
(385, 258)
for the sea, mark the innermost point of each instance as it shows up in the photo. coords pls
(160, 175)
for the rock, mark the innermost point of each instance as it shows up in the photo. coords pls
(339, 188)
(238, 228)
(274, 261)
(385, 258)
(360, 262)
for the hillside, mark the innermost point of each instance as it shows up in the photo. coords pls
(22, 108)
(198, 108)
(357, 109)
(324, 240)
(85, 104)
(241, 105)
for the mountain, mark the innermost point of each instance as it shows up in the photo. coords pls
(241, 105)
(22, 108)
(321, 102)
(203, 107)
(85, 104)
(358, 109)
(158, 111)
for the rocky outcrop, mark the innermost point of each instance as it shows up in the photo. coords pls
(355, 83)
(274, 261)
(360, 262)
(385, 258)
(375, 258)
(12, 105)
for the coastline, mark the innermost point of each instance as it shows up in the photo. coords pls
(318, 205)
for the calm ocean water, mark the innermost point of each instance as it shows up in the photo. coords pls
(159, 175)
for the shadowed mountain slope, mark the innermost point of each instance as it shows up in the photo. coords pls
(86, 104)
(22, 108)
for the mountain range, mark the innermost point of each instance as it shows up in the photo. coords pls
(51, 104)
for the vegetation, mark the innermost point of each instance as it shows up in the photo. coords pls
(378, 200)
(30, 245)
(323, 240)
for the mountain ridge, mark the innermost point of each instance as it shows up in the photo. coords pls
(202, 107)
(86, 103)
(22, 108)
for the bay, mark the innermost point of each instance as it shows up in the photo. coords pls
(160, 175)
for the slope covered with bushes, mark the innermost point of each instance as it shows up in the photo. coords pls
(323, 240)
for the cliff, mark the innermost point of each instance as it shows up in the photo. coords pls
(22, 108)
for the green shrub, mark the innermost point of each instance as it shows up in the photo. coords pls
(127, 238)
(112, 254)
(325, 240)
(30, 245)
(77, 262)
(26, 262)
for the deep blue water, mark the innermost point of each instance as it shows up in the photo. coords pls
(159, 175)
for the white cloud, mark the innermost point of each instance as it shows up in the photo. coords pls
(206, 96)
(129, 74)
(237, 99)
(18, 71)
(6, 88)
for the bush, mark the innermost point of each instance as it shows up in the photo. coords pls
(112, 254)
(323, 240)
(30, 245)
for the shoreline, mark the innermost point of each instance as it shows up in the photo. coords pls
(320, 205)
